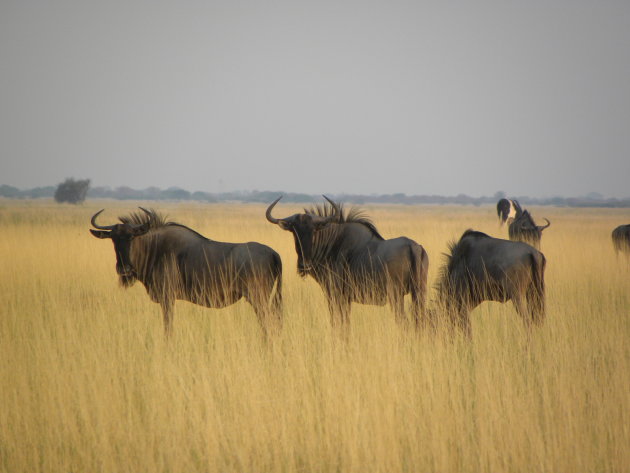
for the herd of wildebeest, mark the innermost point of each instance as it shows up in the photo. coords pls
(344, 252)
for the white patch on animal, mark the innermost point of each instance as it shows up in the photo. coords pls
(512, 214)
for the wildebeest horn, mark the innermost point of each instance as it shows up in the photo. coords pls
(335, 207)
(100, 227)
(541, 228)
(150, 214)
(268, 213)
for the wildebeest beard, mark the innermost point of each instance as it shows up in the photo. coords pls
(127, 280)
(302, 271)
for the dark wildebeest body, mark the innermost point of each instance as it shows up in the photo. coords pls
(481, 268)
(352, 262)
(174, 262)
(621, 239)
(508, 210)
(524, 229)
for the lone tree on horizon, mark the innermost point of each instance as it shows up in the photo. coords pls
(72, 191)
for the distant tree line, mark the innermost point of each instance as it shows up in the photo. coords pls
(178, 194)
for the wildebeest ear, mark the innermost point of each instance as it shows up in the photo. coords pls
(101, 233)
(284, 225)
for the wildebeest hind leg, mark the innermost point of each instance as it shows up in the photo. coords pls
(398, 306)
(339, 313)
(522, 311)
(259, 302)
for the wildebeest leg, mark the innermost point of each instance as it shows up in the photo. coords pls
(536, 305)
(464, 323)
(263, 319)
(167, 313)
(418, 310)
(397, 303)
(522, 311)
(259, 298)
(460, 319)
(339, 312)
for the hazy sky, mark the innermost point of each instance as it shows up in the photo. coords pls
(529, 97)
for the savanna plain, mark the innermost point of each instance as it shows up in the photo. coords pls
(89, 383)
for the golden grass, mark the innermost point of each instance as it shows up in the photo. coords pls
(88, 382)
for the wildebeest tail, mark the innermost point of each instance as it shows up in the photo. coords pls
(277, 274)
(419, 271)
(536, 292)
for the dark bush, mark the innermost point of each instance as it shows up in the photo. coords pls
(72, 191)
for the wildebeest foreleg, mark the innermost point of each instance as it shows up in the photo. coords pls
(397, 303)
(460, 319)
(523, 311)
(339, 312)
(167, 313)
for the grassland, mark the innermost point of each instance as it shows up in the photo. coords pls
(88, 382)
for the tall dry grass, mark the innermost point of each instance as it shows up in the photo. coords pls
(88, 382)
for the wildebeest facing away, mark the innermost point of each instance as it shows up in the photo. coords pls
(508, 210)
(481, 268)
(352, 262)
(621, 239)
(175, 262)
(524, 229)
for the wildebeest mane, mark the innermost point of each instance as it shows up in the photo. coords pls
(354, 215)
(155, 220)
(525, 218)
(456, 251)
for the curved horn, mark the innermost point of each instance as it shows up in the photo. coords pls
(517, 207)
(100, 227)
(269, 209)
(150, 214)
(541, 228)
(334, 206)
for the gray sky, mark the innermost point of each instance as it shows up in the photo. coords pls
(529, 97)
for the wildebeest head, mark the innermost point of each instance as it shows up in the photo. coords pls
(122, 234)
(303, 226)
(523, 228)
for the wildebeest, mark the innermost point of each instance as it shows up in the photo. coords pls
(621, 238)
(508, 210)
(481, 268)
(352, 262)
(524, 229)
(175, 262)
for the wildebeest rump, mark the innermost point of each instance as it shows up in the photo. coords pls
(508, 210)
(621, 238)
(175, 262)
(352, 262)
(523, 228)
(481, 268)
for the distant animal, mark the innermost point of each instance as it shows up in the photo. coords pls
(352, 262)
(621, 239)
(481, 268)
(508, 210)
(174, 262)
(524, 229)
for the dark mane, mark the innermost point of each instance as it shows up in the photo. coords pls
(525, 217)
(354, 215)
(456, 250)
(156, 220)
(139, 218)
